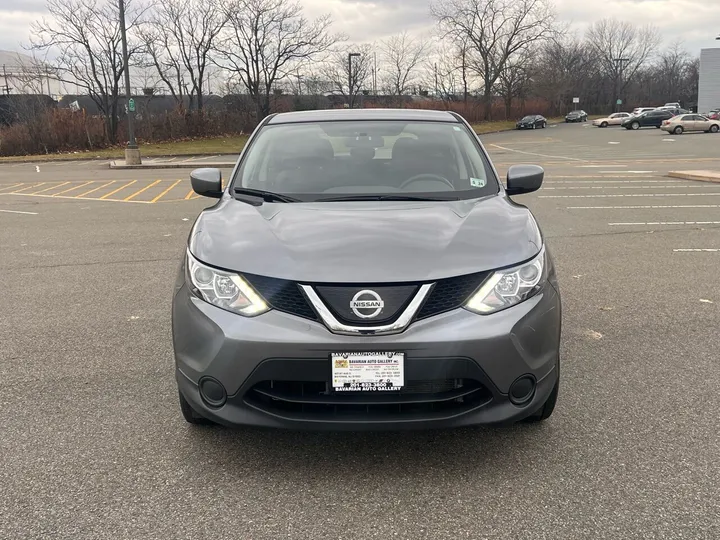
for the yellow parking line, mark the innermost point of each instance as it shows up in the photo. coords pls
(118, 189)
(131, 197)
(48, 189)
(95, 189)
(70, 189)
(190, 194)
(166, 191)
(11, 187)
(33, 186)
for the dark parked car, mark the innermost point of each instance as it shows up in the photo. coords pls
(576, 116)
(532, 121)
(649, 119)
(366, 269)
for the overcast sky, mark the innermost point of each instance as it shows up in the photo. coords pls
(696, 22)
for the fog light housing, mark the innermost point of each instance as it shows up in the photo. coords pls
(212, 392)
(522, 390)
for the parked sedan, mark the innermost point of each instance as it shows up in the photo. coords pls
(531, 121)
(576, 116)
(690, 122)
(649, 119)
(613, 120)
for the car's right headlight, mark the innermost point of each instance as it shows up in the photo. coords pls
(506, 288)
(225, 290)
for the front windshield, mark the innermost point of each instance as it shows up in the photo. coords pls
(326, 160)
(528, 119)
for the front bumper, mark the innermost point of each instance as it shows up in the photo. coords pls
(254, 357)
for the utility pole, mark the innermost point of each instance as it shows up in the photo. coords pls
(436, 81)
(350, 79)
(7, 86)
(620, 64)
(375, 74)
(132, 152)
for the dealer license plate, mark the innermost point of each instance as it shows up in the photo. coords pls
(368, 371)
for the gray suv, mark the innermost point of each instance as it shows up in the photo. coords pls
(365, 269)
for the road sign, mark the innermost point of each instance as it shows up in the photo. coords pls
(619, 101)
(576, 100)
(131, 105)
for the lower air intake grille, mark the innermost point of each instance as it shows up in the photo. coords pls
(315, 400)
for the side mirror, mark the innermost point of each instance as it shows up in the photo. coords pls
(207, 182)
(524, 179)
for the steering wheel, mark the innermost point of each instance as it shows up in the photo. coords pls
(427, 176)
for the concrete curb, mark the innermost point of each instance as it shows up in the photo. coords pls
(175, 165)
(700, 176)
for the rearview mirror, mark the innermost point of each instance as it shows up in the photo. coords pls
(524, 179)
(207, 182)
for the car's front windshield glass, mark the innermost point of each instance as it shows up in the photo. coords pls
(313, 161)
(527, 119)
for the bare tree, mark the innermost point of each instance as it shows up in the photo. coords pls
(178, 41)
(621, 49)
(348, 74)
(672, 68)
(515, 78)
(264, 40)
(494, 31)
(402, 56)
(85, 37)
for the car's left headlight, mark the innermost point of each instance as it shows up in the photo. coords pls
(225, 290)
(505, 288)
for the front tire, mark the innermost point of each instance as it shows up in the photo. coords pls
(635, 126)
(544, 125)
(604, 125)
(714, 128)
(678, 130)
(191, 417)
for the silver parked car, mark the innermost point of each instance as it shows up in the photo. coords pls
(690, 122)
(366, 269)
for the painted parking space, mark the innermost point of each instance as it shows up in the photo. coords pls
(126, 190)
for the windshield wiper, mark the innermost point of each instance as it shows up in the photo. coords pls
(266, 196)
(387, 198)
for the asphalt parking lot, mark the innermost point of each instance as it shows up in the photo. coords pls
(93, 444)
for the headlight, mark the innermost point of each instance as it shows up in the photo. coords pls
(506, 288)
(223, 289)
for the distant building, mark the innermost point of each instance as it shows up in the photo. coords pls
(22, 74)
(709, 90)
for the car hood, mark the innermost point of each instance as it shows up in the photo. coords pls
(355, 242)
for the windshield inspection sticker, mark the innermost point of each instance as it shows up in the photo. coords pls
(477, 182)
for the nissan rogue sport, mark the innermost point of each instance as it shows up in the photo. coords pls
(366, 269)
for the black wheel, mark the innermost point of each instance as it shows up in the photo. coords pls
(635, 125)
(604, 124)
(678, 130)
(714, 128)
(545, 412)
(544, 125)
(534, 126)
(189, 413)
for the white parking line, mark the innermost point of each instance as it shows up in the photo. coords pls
(706, 250)
(615, 195)
(667, 223)
(633, 187)
(667, 181)
(638, 207)
(536, 154)
(19, 212)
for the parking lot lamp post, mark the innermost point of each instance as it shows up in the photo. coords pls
(132, 152)
(350, 79)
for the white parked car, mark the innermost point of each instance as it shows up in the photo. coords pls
(614, 119)
(690, 122)
(640, 110)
